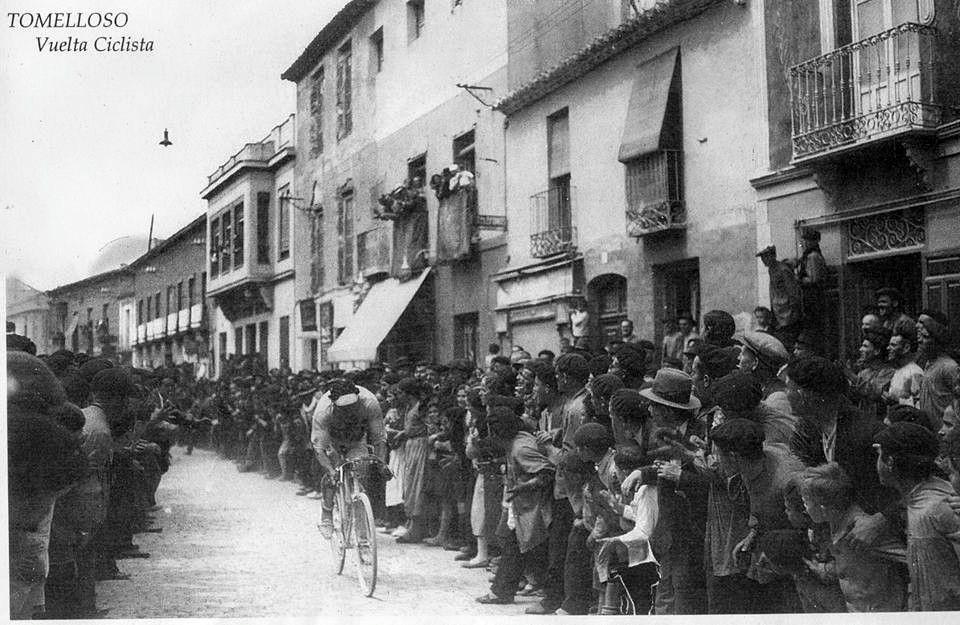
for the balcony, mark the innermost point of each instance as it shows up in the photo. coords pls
(551, 214)
(282, 137)
(654, 192)
(877, 88)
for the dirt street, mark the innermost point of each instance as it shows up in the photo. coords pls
(237, 545)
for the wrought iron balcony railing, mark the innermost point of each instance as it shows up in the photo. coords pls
(874, 88)
(654, 191)
(551, 216)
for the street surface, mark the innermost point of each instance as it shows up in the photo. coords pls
(237, 545)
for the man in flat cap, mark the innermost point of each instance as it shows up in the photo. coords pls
(764, 355)
(812, 275)
(784, 295)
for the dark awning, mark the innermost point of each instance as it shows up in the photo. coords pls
(644, 128)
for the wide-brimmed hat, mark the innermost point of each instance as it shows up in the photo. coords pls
(673, 388)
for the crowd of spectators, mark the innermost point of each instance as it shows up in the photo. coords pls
(725, 472)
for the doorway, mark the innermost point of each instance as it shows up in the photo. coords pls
(860, 283)
(676, 291)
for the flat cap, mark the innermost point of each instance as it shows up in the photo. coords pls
(767, 348)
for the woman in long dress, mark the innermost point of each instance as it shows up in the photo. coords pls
(416, 450)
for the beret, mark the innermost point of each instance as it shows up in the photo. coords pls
(599, 364)
(738, 435)
(605, 384)
(908, 439)
(717, 361)
(593, 436)
(93, 366)
(910, 414)
(573, 365)
(632, 358)
(112, 381)
(737, 392)
(626, 401)
(817, 374)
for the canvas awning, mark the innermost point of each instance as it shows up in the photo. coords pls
(645, 130)
(373, 320)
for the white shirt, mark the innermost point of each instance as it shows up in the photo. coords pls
(905, 383)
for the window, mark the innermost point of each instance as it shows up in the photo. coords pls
(203, 287)
(251, 332)
(415, 19)
(558, 168)
(264, 336)
(223, 345)
(314, 346)
(376, 51)
(465, 330)
(345, 237)
(465, 155)
(263, 227)
(283, 223)
(225, 242)
(157, 313)
(316, 113)
(238, 340)
(417, 169)
(149, 309)
(344, 88)
(170, 301)
(214, 246)
(191, 285)
(238, 235)
(139, 312)
(284, 342)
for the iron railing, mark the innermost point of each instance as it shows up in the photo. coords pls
(551, 216)
(654, 191)
(869, 89)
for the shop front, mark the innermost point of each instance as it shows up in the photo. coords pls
(534, 303)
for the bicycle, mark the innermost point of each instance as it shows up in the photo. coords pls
(354, 528)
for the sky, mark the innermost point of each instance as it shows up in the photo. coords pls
(80, 160)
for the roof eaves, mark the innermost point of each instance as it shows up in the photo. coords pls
(173, 238)
(113, 273)
(341, 23)
(602, 48)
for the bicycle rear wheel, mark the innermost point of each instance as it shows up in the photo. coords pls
(365, 543)
(338, 548)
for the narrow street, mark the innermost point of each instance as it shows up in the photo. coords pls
(237, 545)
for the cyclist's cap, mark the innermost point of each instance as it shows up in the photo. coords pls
(343, 392)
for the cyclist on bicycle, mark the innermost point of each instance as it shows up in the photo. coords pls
(346, 420)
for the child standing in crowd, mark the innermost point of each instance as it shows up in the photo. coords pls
(906, 455)
(870, 576)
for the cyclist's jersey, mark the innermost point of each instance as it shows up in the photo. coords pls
(329, 432)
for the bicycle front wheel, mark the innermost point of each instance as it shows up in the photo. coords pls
(338, 548)
(365, 543)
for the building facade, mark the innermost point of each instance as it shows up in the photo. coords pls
(165, 321)
(629, 152)
(85, 315)
(389, 95)
(863, 143)
(252, 232)
(28, 309)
